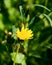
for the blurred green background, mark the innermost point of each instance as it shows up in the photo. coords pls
(38, 14)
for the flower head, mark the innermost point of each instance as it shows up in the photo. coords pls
(24, 34)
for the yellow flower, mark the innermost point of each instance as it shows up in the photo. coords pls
(24, 34)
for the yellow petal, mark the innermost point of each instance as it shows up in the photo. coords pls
(24, 34)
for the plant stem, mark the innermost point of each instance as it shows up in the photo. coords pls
(18, 47)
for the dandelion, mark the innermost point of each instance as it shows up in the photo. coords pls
(24, 34)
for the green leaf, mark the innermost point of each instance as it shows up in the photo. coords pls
(32, 20)
(14, 31)
(21, 10)
(1, 22)
(49, 19)
(7, 3)
(38, 5)
(20, 58)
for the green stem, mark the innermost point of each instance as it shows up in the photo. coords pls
(26, 46)
(18, 47)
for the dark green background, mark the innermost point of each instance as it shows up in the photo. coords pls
(40, 47)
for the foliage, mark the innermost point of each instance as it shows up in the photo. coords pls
(37, 16)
